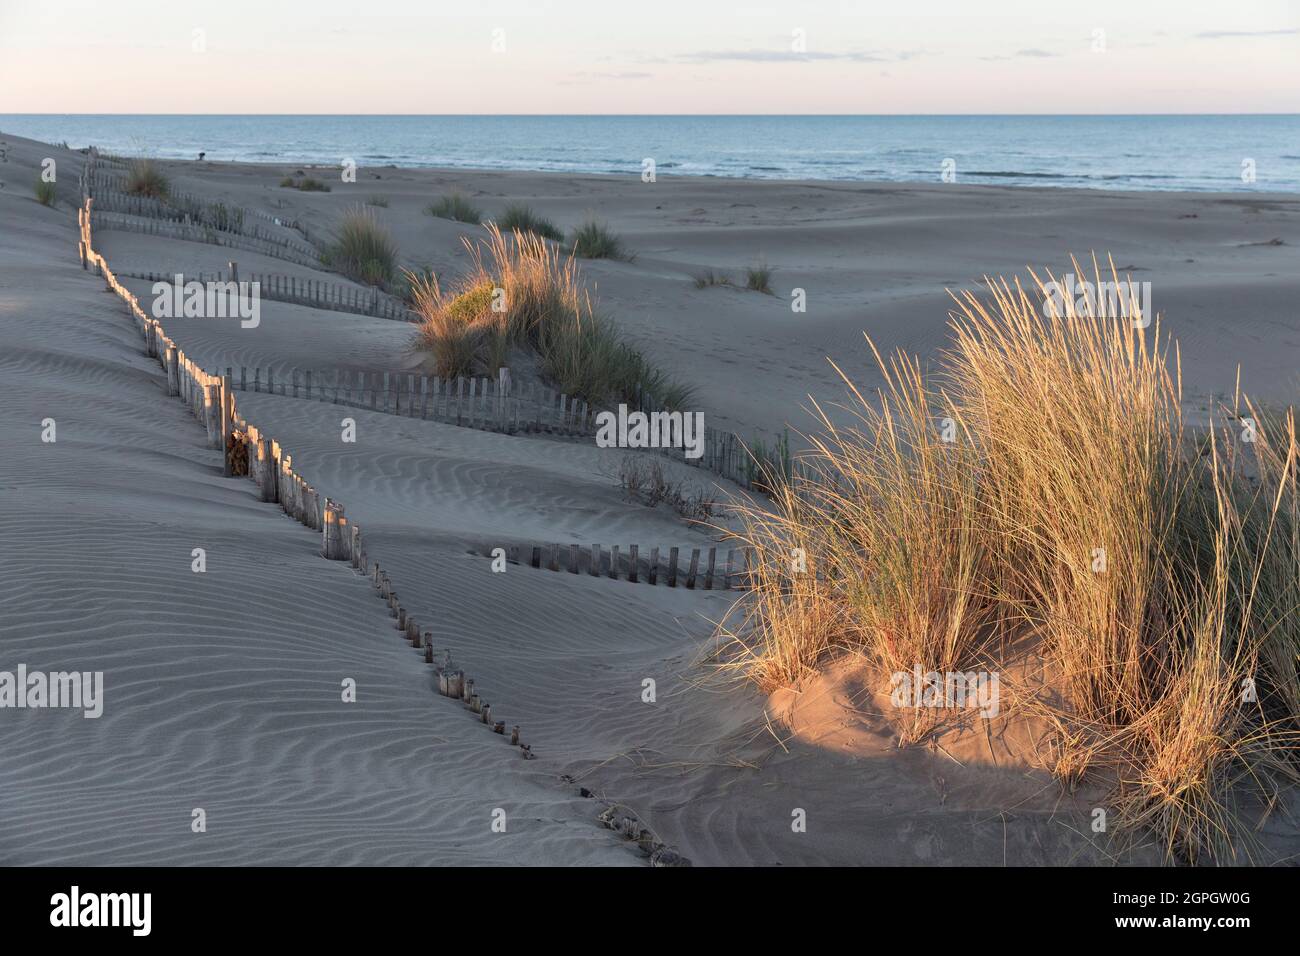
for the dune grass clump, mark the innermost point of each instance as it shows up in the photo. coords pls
(522, 292)
(592, 240)
(216, 215)
(144, 177)
(758, 278)
(521, 218)
(1041, 491)
(305, 184)
(455, 206)
(47, 193)
(380, 201)
(451, 328)
(362, 249)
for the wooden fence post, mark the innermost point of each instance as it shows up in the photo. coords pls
(266, 471)
(173, 377)
(332, 532)
(212, 413)
(225, 425)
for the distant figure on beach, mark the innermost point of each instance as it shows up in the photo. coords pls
(201, 155)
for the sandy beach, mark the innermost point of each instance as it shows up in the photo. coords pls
(222, 688)
(873, 258)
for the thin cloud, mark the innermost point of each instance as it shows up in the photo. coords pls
(1222, 34)
(588, 77)
(1031, 54)
(782, 56)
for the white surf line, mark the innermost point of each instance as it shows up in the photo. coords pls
(211, 398)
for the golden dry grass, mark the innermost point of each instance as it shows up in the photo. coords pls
(1157, 573)
(525, 292)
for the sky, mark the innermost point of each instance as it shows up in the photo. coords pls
(649, 56)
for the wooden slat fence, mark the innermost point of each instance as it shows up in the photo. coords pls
(270, 467)
(206, 234)
(315, 293)
(707, 569)
(196, 212)
(752, 465)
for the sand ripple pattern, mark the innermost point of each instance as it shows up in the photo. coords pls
(222, 689)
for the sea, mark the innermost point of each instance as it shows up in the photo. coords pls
(1169, 152)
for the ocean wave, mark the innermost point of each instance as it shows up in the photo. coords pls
(1011, 174)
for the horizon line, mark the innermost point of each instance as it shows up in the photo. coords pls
(658, 115)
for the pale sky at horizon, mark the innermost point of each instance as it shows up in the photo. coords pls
(404, 56)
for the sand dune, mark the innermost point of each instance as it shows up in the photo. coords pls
(222, 688)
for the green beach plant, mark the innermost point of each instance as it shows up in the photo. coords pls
(144, 177)
(362, 249)
(758, 278)
(455, 206)
(521, 218)
(593, 240)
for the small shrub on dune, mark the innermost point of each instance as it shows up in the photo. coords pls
(1040, 490)
(592, 240)
(46, 193)
(709, 277)
(521, 218)
(455, 206)
(144, 177)
(643, 480)
(362, 249)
